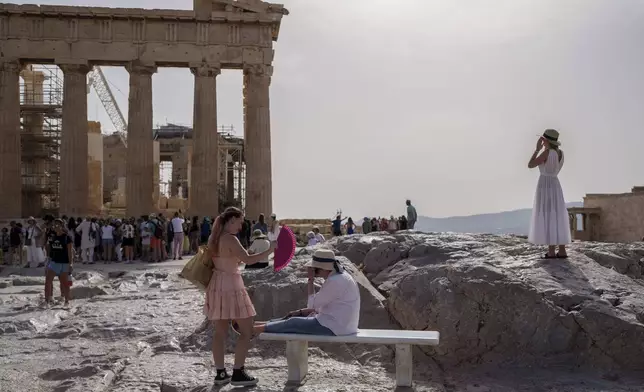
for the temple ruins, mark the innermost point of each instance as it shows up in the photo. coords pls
(52, 160)
(609, 217)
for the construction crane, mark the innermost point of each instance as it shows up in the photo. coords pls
(97, 79)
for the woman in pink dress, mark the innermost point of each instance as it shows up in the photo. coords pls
(226, 296)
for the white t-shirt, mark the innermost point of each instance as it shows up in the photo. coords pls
(320, 238)
(312, 241)
(337, 304)
(272, 235)
(260, 245)
(177, 225)
(107, 232)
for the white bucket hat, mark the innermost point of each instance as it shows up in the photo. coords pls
(323, 259)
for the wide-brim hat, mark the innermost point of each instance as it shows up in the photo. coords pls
(552, 136)
(31, 219)
(257, 234)
(322, 259)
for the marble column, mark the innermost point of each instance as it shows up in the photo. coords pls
(139, 184)
(10, 154)
(204, 191)
(74, 184)
(257, 141)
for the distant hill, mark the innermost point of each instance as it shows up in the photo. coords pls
(506, 222)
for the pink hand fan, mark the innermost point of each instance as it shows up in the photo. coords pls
(285, 251)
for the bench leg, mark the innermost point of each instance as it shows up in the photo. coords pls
(404, 365)
(297, 357)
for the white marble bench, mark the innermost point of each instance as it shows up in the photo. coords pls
(297, 349)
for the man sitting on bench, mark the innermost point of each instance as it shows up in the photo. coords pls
(333, 311)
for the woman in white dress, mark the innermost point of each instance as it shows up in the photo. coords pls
(550, 223)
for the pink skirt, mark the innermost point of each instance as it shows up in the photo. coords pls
(227, 298)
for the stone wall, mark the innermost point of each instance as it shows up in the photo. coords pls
(114, 157)
(95, 167)
(622, 216)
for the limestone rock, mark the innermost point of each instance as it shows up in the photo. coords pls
(494, 299)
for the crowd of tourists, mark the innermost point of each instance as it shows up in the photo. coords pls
(371, 225)
(151, 238)
(331, 310)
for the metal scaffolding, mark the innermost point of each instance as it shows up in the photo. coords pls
(41, 108)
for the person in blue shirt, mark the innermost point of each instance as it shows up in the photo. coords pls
(261, 225)
(336, 225)
(205, 230)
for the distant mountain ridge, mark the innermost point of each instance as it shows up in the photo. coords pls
(505, 222)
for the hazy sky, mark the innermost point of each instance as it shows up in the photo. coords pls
(440, 101)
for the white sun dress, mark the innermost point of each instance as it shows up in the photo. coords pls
(550, 224)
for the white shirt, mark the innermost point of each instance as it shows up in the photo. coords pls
(320, 238)
(177, 225)
(312, 241)
(337, 304)
(259, 246)
(107, 232)
(272, 235)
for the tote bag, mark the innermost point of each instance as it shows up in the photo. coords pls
(198, 270)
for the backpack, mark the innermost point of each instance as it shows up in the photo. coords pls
(158, 232)
(92, 231)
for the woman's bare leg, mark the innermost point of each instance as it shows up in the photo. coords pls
(64, 286)
(562, 250)
(551, 250)
(49, 284)
(243, 342)
(219, 343)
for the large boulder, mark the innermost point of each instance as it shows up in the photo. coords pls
(495, 300)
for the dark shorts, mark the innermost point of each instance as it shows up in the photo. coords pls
(128, 241)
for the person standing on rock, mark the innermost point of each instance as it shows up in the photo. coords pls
(550, 224)
(412, 216)
(226, 296)
(61, 255)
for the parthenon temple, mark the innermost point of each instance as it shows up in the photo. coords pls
(53, 160)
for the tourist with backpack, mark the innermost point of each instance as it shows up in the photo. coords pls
(156, 238)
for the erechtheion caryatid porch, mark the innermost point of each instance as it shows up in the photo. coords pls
(215, 35)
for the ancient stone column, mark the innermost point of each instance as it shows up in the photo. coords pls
(74, 186)
(204, 191)
(257, 140)
(10, 176)
(95, 167)
(139, 188)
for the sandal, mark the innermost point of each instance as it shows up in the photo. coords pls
(561, 256)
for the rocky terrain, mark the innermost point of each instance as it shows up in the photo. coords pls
(509, 321)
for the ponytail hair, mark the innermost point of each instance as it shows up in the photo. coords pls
(218, 228)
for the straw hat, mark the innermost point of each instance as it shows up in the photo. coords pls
(322, 259)
(552, 136)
